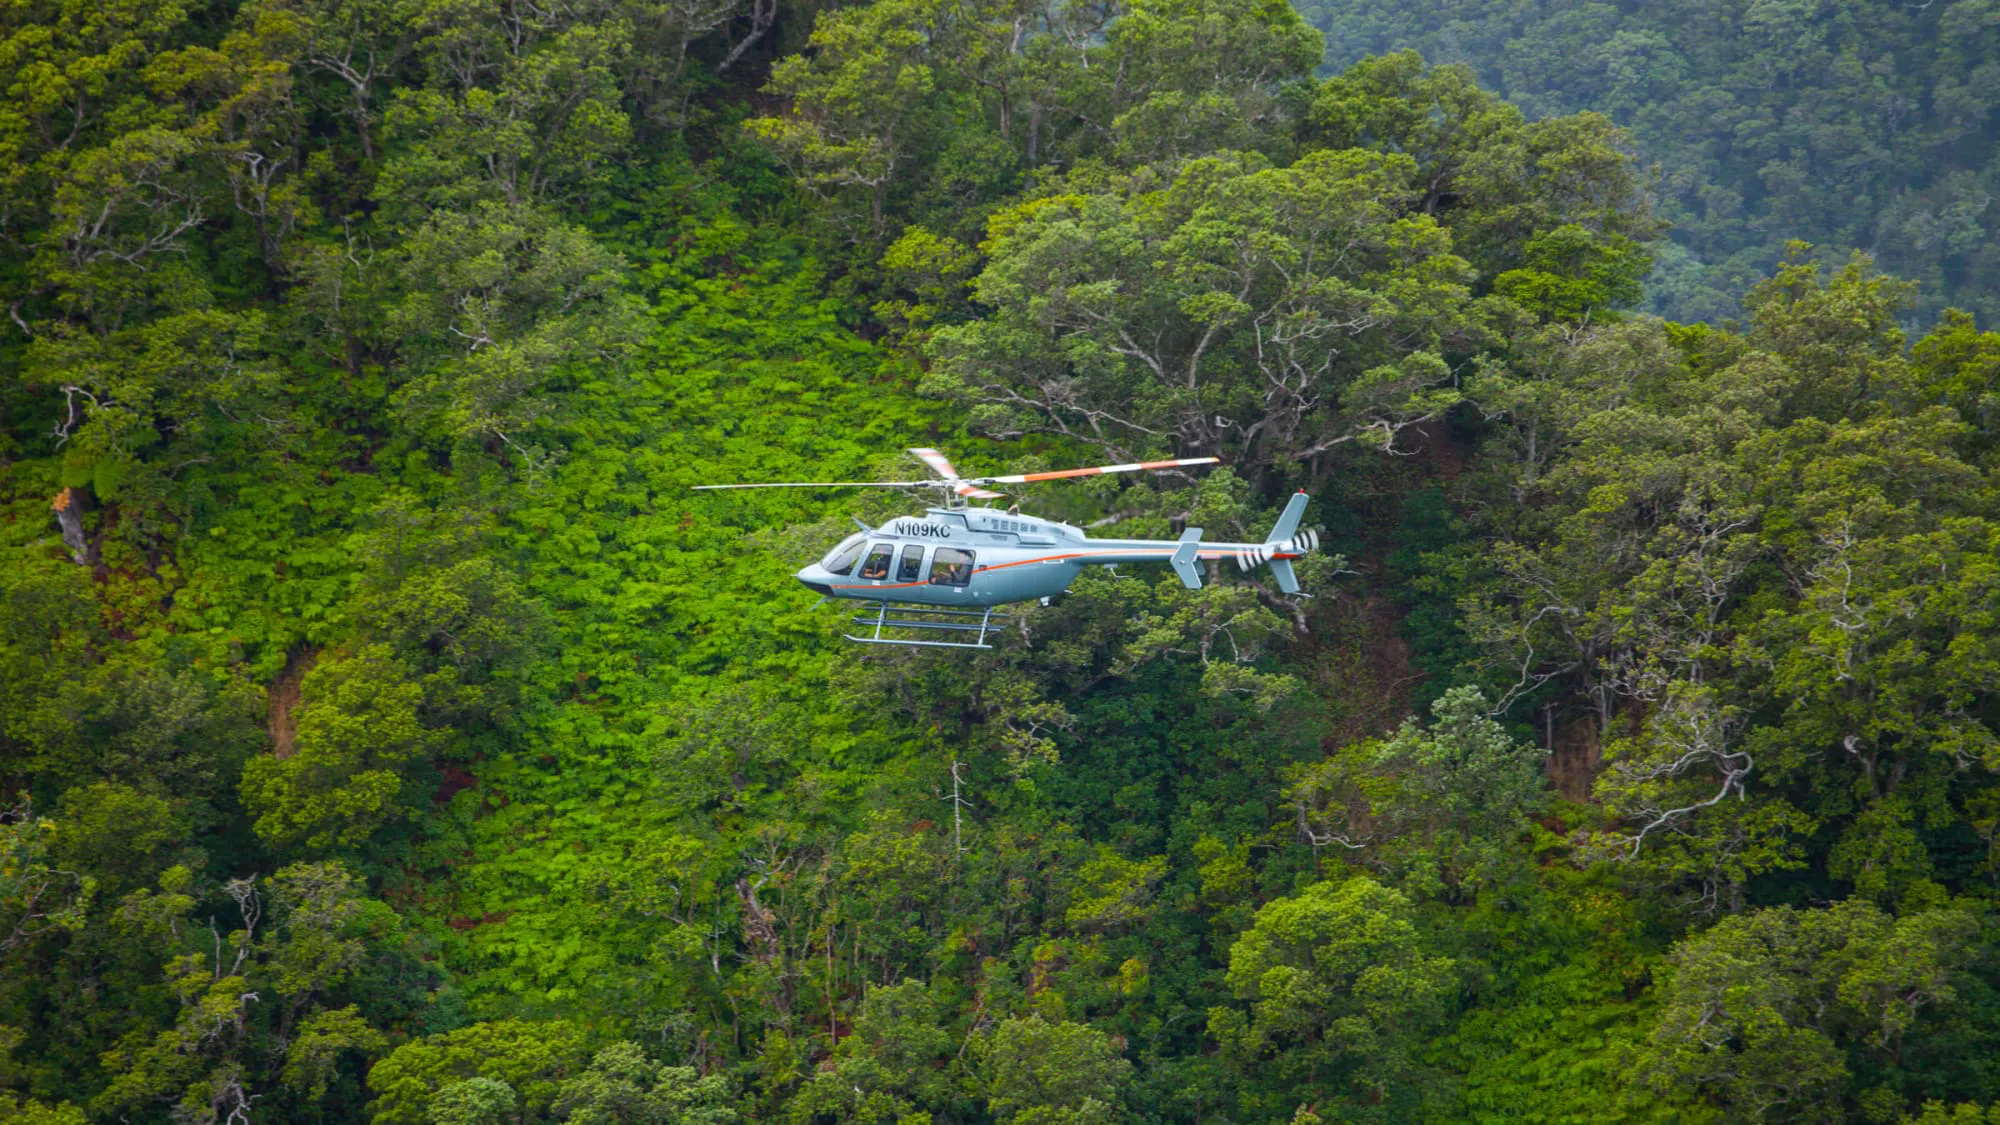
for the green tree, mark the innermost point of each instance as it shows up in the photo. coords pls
(37, 896)
(1766, 1013)
(526, 1060)
(522, 107)
(863, 100)
(475, 1101)
(624, 1087)
(1490, 175)
(1039, 1072)
(1340, 987)
(897, 1062)
(499, 301)
(358, 732)
(250, 999)
(122, 836)
(1441, 806)
(1801, 445)
(1571, 273)
(1240, 309)
(1196, 77)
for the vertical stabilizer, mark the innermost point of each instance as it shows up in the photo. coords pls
(1288, 521)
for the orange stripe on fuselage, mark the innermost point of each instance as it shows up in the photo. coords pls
(1049, 559)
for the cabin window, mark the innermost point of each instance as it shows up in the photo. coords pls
(875, 567)
(912, 566)
(951, 567)
(840, 560)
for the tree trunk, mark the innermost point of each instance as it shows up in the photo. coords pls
(68, 506)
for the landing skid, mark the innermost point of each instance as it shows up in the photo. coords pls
(947, 621)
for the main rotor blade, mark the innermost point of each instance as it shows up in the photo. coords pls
(1095, 470)
(827, 484)
(937, 462)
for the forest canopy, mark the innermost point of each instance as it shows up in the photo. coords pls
(388, 734)
(1851, 125)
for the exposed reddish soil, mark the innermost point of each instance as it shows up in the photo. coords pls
(283, 699)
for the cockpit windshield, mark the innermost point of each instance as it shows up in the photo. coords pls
(840, 560)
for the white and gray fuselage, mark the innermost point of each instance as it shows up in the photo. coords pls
(989, 556)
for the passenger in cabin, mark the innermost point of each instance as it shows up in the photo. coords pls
(950, 567)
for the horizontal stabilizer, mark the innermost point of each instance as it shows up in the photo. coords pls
(1184, 558)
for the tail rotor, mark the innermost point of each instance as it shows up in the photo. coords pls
(1285, 543)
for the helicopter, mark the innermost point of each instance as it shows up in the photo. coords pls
(934, 574)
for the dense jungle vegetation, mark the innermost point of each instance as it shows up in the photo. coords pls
(388, 735)
(1850, 124)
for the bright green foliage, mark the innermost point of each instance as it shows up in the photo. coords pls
(1494, 178)
(1203, 75)
(1113, 891)
(955, 104)
(183, 374)
(1550, 1034)
(40, 1113)
(1571, 273)
(860, 100)
(1745, 513)
(321, 1040)
(475, 1101)
(500, 299)
(120, 835)
(1960, 366)
(1466, 768)
(1937, 1113)
(522, 110)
